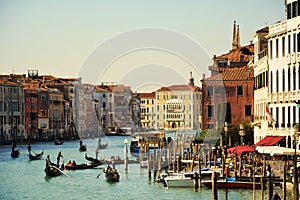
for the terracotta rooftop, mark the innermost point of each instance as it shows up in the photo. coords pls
(235, 55)
(147, 95)
(179, 87)
(233, 74)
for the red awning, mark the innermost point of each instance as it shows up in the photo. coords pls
(241, 149)
(269, 140)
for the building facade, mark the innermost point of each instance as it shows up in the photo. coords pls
(283, 75)
(147, 105)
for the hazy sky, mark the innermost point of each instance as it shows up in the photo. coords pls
(63, 37)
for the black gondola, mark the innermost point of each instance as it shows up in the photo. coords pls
(37, 156)
(15, 154)
(82, 147)
(57, 142)
(111, 174)
(93, 160)
(52, 169)
(14, 151)
(82, 166)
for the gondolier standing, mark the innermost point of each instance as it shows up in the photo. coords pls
(58, 157)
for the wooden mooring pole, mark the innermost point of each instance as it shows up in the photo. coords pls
(214, 186)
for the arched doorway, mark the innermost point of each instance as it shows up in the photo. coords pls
(174, 125)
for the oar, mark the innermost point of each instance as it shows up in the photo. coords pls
(100, 172)
(60, 170)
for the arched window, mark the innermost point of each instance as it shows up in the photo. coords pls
(283, 80)
(277, 80)
(289, 79)
(294, 78)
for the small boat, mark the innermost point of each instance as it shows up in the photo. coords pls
(57, 142)
(231, 183)
(15, 151)
(102, 146)
(36, 156)
(15, 154)
(82, 166)
(82, 147)
(111, 174)
(52, 170)
(93, 160)
(186, 179)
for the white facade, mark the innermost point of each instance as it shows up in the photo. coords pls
(283, 77)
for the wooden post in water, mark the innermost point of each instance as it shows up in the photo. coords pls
(270, 183)
(284, 181)
(199, 164)
(209, 159)
(154, 164)
(214, 186)
(196, 180)
(262, 178)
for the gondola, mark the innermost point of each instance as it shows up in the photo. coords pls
(15, 154)
(57, 142)
(36, 156)
(82, 166)
(102, 146)
(111, 174)
(52, 170)
(93, 160)
(82, 147)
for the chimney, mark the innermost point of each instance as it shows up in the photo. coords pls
(234, 43)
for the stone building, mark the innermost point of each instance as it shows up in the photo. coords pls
(228, 92)
(147, 110)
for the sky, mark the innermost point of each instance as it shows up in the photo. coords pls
(144, 44)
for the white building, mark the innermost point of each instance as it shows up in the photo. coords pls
(283, 78)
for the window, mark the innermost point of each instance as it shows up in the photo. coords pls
(277, 81)
(294, 42)
(240, 90)
(283, 80)
(289, 79)
(210, 111)
(283, 46)
(271, 49)
(104, 105)
(248, 110)
(289, 9)
(298, 41)
(294, 9)
(210, 91)
(289, 43)
(277, 47)
(103, 95)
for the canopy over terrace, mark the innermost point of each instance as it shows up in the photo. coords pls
(276, 150)
(241, 149)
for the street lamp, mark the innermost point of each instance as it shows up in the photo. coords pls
(125, 155)
(242, 133)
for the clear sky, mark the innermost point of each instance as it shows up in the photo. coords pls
(59, 37)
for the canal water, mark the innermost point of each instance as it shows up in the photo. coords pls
(24, 179)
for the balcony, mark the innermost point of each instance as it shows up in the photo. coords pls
(280, 97)
(278, 28)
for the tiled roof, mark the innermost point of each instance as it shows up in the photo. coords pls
(179, 87)
(235, 55)
(233, 74)
(147, 95)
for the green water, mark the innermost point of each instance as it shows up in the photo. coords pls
(24, 179)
